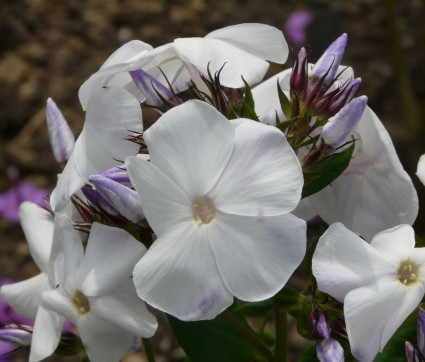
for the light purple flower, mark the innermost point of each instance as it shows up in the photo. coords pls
(329, 350)
(296, 25)
(16, 195)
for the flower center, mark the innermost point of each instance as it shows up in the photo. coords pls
(81, 302)
(203, 210)
(408, 273)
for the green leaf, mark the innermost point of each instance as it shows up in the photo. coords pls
(326, 172)
(255, 309)
(248, 104)
(269, 338)
(285, 104)
(309, 355)
(283, 126)
(420, 243)
(394, 350)
(225, 338)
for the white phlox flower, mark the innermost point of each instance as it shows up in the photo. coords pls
(420, 172)
(95, 292)
(42, 232)
(380, 283)
(217, 193)
(111, 114)
(374, 193)
(242, 49)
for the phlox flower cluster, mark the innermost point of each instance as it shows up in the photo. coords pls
(209, 205)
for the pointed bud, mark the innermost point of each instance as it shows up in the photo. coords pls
(329, 350)
(411, 353)
(299, 76)
(151, 88)
(98, 202)
(61, 138)
(125, 200)
(320, 322)
(330, 60)
(421, 331)
(341, 126)
(117, 174)
(19, 335)
(344, 96)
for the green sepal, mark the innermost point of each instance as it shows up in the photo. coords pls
(326, 172)
(248, 107)
(290, 299)
(285, 104)
(283, 126)
(269, 338)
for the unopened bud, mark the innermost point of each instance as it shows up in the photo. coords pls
(320, 322)
(151, 88)
(330, 60)
(344, 96)
(19, 335)
(61, 138)
(117, 174)
(329, 350)
(98, 202)
(339, 127)
(299, 76)
(124, 199)
(421, 331)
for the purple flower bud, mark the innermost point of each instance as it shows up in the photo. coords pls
(330, 60)
(421, 331)
(339, 127)
(19, 335)
(61, 138)
(150, 87)
(299, 75)
(125, 200)
(329, 350)
(117, 174)
(98, 202)
(411, 352)
(320, 322)
(343, 96)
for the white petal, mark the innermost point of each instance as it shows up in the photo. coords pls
(395, 244)
(343, 262)
(25, 297)
(192, 144)
(164, 204)
(211, 53)
(264, 41)
(125, 309)
(111, 255)
(266, 97)
(178, 275)
(421, 169)
(112, 114)
(37, 224)
(373, 314)
(69, 182)
(60, 304)
(256, 256)
(47, 333)
(130, 56)
(374, 193)
(263, 176)
(73, 258)
(104, 341)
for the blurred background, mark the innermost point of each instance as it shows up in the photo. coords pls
(49, 48)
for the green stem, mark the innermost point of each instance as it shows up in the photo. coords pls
(281, 333)
(249, 335)
(148, 349)
(262, 326)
